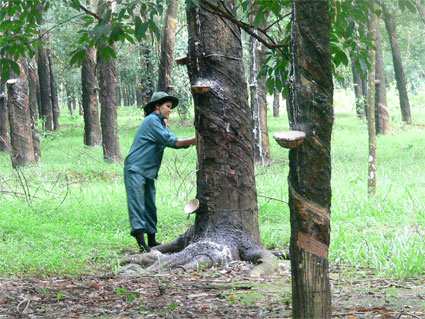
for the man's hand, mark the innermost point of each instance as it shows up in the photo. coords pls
(186, 142)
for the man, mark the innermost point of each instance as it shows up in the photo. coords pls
(142, 165)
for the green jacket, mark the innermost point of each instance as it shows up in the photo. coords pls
(147, 150)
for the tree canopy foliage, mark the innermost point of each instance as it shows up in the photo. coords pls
(134, 21)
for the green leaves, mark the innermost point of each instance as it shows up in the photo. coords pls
(406, 4)
(77, 56)
(140, 28)
(7, 66)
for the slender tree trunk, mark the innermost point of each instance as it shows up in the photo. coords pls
(371, 108)
(38, 95)
(398, 66)
(108, 104)
(22, 149)
(167, 47)
(311, 111)
(133, 95)
(381, 108)
(139, 96)
(54, 94)
(146, 82)
(32, 100)
(69, 100)
(276, 102)
(126, 96)
(4, 121)
(358, 91)
(45, 90)
(225, 179)
(80, 105)
(108, 107)
(421, 9)
(364, 92)
(92, 133)
(258, 92)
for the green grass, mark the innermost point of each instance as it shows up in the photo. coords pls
(68, 215)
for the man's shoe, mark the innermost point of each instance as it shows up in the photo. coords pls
(140, 237)
(152, 241)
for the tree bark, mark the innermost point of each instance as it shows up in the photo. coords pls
(258, 92)
(32, 100)
(225, 179)
(139, 96)
(358, 91)
(45, 90)
(146, 82)
(276, 102)
(54, 94)
(22, 149)
(92, 133)
(108, 107)
(4, 121)
(398, 66)
(381, 108)
(311, 111)
(167, 47)
(364, 91)
(69, 99)
(371, 108)
(421, 9)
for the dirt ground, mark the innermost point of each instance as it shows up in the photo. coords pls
(226, 292)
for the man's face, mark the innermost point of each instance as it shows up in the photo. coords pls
(164, 109)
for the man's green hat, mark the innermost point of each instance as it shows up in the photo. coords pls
(160, 97)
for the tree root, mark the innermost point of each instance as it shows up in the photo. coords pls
(267, 263)
(177, 257)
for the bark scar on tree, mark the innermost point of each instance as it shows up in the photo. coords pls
(322, 215)
(312, 245)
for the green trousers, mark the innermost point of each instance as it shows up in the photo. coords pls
(141, 202)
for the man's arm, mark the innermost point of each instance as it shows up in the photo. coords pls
(184, 142)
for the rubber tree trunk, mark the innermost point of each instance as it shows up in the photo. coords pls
(108, 107)
(276, 102)
(22, 149)
(225, 179)
(258, 94)
(373, 21)
(32, 100)
(54, 94)
(398, 66)
(167, 47)
(45, 90)
(421, 9)
(364, 91)
(133, 95)
(381, 109)
(4, 121)
(358, 91)
(69, 99)
(92, 132)
(108, 103)
(146, 82)
(139, 96)
(80, 106)
(311, 111)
